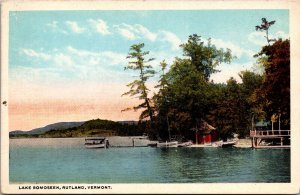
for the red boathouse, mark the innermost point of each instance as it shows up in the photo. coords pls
(205, 133)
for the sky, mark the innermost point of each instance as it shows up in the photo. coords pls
(69, 65)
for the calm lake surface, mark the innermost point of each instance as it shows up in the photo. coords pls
(66, 160)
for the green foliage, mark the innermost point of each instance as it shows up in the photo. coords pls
(185, 94)
(99, 127)
(275, 89)
(138, 87)
(234, 105)
(251, 83)
(205, 57)
(23, 136)
(265, 25)
(163, 82)
(225, 115)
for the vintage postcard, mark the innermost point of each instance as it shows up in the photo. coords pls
(160, 97)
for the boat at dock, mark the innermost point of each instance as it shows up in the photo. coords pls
(96, 142)
(227, 144)
(222, 144)
(270, 138)
(185, 144)
(167, 144)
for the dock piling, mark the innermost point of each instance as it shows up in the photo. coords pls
(259, 136)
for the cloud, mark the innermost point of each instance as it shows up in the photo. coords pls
(77, 63)
(159, 56)
(63, 60)
(90, 65)
(127, 31)
(100, 26)
(114, 58)
(52, 24)
(136, 31)
(81, 53)
(230, 70)
(282, 35)
(127, 34)
(55, 28)
(171, 38)
(235, 49)
(144, 32)
(75, 27)
(35, 54)
(105, 58)
(258, 37)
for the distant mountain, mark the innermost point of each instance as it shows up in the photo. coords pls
(95, 127)
(17, 132)
(66, 125)
(98, 127)
(57, 126)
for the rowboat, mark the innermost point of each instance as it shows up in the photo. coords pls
(167, 144)
(185, 144)
(96, 142)
(226, 144)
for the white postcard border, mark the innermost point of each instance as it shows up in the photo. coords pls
(207, 188)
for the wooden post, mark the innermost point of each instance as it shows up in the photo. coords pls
(272, 126)
(196, 136)
(279, 123)
(256, 142)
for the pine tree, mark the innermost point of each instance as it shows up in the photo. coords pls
(138, 87)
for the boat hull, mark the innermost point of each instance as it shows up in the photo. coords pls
(95, 146)
(96, 143)
(185, 144)
(173, 144)
(227, 144)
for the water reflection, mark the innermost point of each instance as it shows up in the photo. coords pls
(54, 164)
(226, 165)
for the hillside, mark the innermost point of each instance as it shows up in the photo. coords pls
(17, 132)
(97, 127)
(57, 126)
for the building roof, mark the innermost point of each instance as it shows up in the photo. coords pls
(204, 127)
(262, 124)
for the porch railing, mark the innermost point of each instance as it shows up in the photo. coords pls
(270, 133)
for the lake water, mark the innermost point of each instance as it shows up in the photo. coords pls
(68, 161)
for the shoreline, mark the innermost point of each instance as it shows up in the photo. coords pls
(131, 141)
(241, 143)
(119, 142)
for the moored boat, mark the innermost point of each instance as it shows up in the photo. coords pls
(96, 142)
(185, 144)
(226, 144)
(167, 144)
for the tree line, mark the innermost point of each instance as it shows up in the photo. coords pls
(187, 95)
(99, 127)
(96, 127)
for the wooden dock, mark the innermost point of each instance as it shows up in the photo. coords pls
(275, 138)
